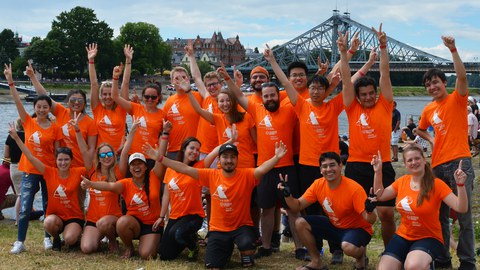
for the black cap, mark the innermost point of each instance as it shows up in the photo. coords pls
(228, 147)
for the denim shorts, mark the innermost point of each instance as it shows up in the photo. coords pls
(399, 247)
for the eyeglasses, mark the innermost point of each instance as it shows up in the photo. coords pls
(106, 154)
(300, 75)
(213, 84)
(74, 99)
(150, 97)
(316, 89)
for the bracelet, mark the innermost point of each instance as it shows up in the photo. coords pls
(115, 78)
(164, 138)
(91, 62)
(128, 63)
(453, 50)
(165, 133)
(162, 217)
(227, 78)
(11, 84)
(77, 130)
(160, 159)
(361, 73)
(383, 46)
(460, 185)
(351, 51)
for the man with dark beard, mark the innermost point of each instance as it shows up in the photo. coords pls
(275, 120)
(258, 76)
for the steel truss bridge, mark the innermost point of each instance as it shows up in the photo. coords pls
(321, 41)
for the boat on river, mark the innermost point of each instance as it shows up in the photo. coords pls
(56, 97)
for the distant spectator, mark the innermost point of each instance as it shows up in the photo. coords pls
(472, 103)
(472, 129)
(343, 150)
(408, 130)
(396, 132)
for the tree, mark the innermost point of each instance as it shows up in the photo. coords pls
(46, 54)
(8, 46)
(152, 54)
(74, 30)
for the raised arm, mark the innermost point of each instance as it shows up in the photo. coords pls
(291, 92)
(383, 194)
(38, 86)
(460, 203)
(178, 167)
(242, 99)
(350, 53)
(208, 160)
(196, 74)
(13, 91)
(123, 164)
(128, 52)
(280, 151)
(161, 150)
(196, 106)
(25, 151)
(461, 85)
(385, 83)
(122, 102)
(82, 145)
(92, 73)
(348, 91)
(366, 67)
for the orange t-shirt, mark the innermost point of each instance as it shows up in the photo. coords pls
(419, 222)
(41, 142)
(63, 200)
(183, 117)
(274, 127)
(318, 128)
(103, 203)
(205, 130)
(231, 197)
(110, 125)
(370, 130)
(303, 93)
(136, 199)
(69, 138)
(244, 142)
(185, 193)
(151, 125)
(343, 205)
(449, 120)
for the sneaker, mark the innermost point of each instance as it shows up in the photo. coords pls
(445, 265)
(275, 242)
(466, 266)
(47, 243)
(17, 247)
(57, 244)
(263, 252)
(247, 261)
(302, 254)
(337, 257)
(192, 254)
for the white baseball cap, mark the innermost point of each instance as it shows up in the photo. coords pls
(135, 156)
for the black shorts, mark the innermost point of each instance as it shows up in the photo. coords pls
(220, 245)
(89, 223)
(148, 228)
(306, 176)
(362, 173)
(79, 221)
(268, 195)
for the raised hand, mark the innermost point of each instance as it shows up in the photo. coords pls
(12, 131)
(342, 41)
(8, 72)
(135, 98)
(336, 78)
(74, 121)
(373, 55)
(237, 76)
(91, 51)
(280, 149)
(268, 54)
(189, 49)
(182, 83)
(322, 67)
(381, 36)
(29, 70)
(459, 175)
(128, 52)
(167, 125)
(449, 42)
(283, 185)
(377, 162)
(117, 71)
(223, 71)
(355, 42)
(148, 150)
(135, 124)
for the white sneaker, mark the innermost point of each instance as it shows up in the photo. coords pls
(17, 247)
(47, 243)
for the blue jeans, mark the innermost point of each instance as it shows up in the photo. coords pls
(30, 185)
(466, 239)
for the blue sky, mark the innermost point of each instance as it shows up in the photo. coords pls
(417, 23)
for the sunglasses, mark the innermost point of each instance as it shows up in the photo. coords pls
(150, 97)
(106, 154)
(79, 100)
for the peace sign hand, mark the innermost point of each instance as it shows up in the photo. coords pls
(283, 185)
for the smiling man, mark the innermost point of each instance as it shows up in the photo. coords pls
(447, 114)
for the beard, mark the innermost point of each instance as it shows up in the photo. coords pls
(272, 106)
